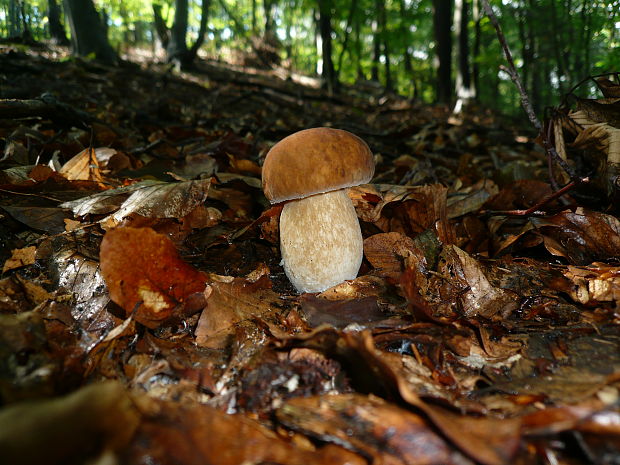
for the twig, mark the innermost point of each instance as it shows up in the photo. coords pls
(525, 100)
(550, 198)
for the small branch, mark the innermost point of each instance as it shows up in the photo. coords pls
(550, 198)
(525, 100)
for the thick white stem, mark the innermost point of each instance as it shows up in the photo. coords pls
(320, 241)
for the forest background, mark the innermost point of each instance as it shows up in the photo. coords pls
(436, 51)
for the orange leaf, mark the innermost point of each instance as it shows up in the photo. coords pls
(145, 274)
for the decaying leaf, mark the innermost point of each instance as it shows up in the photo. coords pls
(232, 301)
(19, 258)
(178, 434)
(368, 425)
(146, 276)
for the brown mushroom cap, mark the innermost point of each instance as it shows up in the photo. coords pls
(314, 161)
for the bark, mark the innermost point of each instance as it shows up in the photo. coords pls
(56, 28)
(88, 32)
(376, 56)
(325, 30)
(177, 46)
(442, 21)
(163, 33)
(347, 33)
(380, 5)
(268, 12)
(404, 32)
(204, 16)
(476, 52)
(464, 90)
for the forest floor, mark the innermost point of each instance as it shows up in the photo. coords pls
(145, 317)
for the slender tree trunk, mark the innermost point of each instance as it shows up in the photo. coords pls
(87, 31)
(204, 17)
(404, 32)
(268, 11)
(442, 20)
(254, 17)
(347, 33)
(14, 23)
(464, 90)
(376, 56)
(56, 28)
(380, 5)
(358, 49)
(177, 46)
(325, 30)
(476, 53)
(161, 29)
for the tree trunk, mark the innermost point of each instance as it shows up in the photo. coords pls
(163, 33)
(376, 55)
(325, 31)
(204, 17)
(87, 31)
(464, 90)
(442, 20)
(347, 33)
(358, 50)
(14, 23)
(477, 42)
(380, 5)
(177, 46)
(268, 12)
(56, 28)
(404, 32)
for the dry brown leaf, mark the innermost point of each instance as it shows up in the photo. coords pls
(83, 167)
(145, 275)
(19, 258)
(174, 433)
(232, 301)
(387, 252)
(491, 441)
(371, 426)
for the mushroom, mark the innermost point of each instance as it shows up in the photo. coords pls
(320, 237)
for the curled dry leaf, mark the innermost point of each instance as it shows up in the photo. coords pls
(582, 236)
(148, 198)
(144, 273)
(491, 441)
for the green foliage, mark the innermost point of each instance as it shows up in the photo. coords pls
(556, 43)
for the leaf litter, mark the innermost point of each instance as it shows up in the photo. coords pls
(145, 316)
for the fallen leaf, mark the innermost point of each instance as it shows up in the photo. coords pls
(173, 433)
(83, 167)
(145, 275)
(368, 425)
(232, 301)
(19, 258)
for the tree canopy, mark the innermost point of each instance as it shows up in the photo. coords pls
(396, 43)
